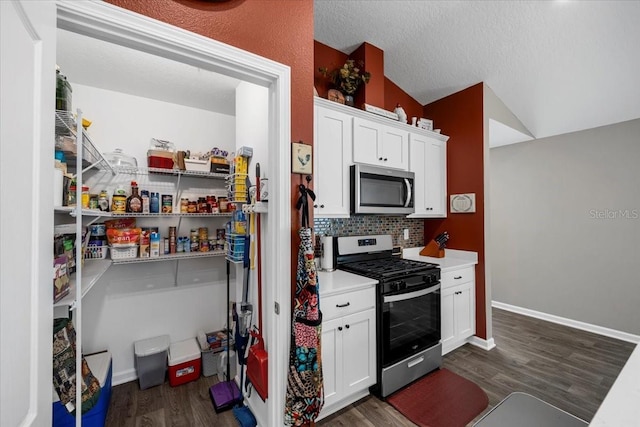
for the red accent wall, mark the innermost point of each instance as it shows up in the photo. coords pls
(393, 96)
(329, 58)
(280, 30)
(461, 117)
(373, 61)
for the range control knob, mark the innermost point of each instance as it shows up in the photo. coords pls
(402, 285)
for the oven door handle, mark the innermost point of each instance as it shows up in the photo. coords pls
(409, 295)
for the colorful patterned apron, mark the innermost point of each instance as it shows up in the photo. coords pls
(305, 392)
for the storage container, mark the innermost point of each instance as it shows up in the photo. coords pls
(151, 360)
(209, 362)
(222, 364)
(124, 252)
(184, 362)
(161, 154)
(100, 366)
(197, 165)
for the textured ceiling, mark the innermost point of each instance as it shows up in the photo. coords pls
(559, 66)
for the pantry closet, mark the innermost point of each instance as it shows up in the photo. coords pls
(136, 79)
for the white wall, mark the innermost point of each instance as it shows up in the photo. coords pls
(129, 122)
(565, 226)
(138, 301)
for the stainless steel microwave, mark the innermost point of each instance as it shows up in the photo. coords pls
(381, 191)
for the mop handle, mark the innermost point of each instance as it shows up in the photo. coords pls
(259, 249)
(228, 376)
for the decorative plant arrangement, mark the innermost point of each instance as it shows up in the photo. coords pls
(348, 78)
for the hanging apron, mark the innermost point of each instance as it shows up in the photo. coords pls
(305, 392)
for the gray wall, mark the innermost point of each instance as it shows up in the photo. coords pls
(566, 228)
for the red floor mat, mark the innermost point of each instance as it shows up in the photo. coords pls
(440, 399)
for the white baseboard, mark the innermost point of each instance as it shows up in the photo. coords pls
(328, 410)
(601, 330)
(482, 343)
(124, 377)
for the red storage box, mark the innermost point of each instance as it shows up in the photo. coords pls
(184, 362)
(159, 162)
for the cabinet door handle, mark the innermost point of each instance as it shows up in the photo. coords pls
(458, 277)
(385, 159)
(346, 326)
(322, 206)
(339, 328)
(343, 305)
(379, 158)
(315, 206)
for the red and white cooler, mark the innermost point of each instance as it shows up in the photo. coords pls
(184, 362)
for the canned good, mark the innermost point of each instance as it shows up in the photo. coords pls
(193, 207)
(203, 235)
(172, 240)
(195, 240)
(184, 205)
(167, 203)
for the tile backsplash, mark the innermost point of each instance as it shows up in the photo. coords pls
(373, 224)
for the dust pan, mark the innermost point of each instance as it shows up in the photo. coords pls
(224, 395)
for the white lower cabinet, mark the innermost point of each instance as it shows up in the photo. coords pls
(458, 314)
(348, 353)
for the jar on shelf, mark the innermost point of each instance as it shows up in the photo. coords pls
(223, 204)
(184, 205)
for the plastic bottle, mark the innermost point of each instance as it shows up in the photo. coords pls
(134, 201)
(222, 364)
(154, 203)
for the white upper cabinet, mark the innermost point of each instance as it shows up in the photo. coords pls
(332, 158)
(380, 145)
(428, 161)
(346, 135)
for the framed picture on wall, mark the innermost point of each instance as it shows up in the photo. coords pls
(301, 158)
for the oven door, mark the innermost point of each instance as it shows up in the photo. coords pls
(410, 322)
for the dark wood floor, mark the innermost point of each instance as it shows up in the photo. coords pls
(568, 368)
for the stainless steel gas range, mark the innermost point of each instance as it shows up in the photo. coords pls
(407, 307)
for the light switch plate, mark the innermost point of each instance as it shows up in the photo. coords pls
(462, 203)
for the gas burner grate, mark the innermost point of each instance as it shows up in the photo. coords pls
(387, 267)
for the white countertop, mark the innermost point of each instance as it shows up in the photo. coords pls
(621, 406)
(338, 282)
(453, 259)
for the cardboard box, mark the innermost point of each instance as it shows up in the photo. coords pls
(60, 278)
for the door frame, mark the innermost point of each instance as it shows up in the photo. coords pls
(110, 23)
